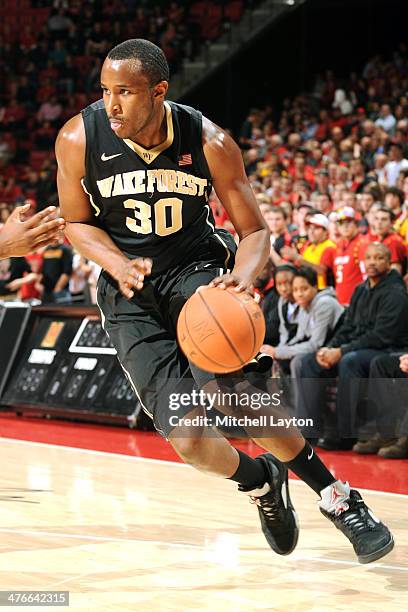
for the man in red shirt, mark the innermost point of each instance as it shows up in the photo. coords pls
(384, 233)
(344, 259)
(276, 218)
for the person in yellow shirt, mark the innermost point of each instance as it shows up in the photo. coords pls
(317, 226)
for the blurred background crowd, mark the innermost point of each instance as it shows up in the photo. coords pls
(329, 168)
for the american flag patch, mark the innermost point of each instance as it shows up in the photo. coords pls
(185, 160)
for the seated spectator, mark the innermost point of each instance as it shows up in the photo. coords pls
(58, 24)
(264, 286)
(44, 137)
(4, 213)
(396, 163)
(300, 212)
(78, 282)
(322, 203)
(394, 199)
(388, 387)
(32, 289)
(342, 102)
(344, 259)
(14, 273)
(6, 152)
(50, 111)
(384, 233)
(386, 120)
(380, 161)
(317, 314)
(56, 271)
(376, 321)
(317, 226)
(93, 280)
(276, 219)
(97, 43)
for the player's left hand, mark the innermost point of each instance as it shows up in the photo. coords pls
(232, 280)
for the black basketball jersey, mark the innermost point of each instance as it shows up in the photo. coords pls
(151, 202)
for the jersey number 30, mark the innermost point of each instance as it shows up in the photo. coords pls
(167, 216)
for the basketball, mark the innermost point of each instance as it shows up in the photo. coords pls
(220, 330)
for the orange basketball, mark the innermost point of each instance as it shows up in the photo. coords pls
(220, 330)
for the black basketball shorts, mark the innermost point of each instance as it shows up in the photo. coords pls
(143, 329)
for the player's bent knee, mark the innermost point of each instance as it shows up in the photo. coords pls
(191, 450)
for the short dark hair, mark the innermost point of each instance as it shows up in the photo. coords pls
(396, 192)
(151, 57)
(284, 268)
(386, 210)
(308, 274)
(279, 210)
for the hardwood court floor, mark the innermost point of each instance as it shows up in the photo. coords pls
(123, 533)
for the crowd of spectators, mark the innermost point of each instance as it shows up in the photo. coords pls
(329, 170)
(51, 52)
(330, 173)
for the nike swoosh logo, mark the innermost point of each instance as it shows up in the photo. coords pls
(108, 157)
(311, 455)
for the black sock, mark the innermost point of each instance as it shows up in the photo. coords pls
(250, 473)
(310, 469)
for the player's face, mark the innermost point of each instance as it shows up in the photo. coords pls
(284, 282)
(376, 261)
(130, 101)
(303, 292)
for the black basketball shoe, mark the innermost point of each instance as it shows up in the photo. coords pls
(278, 517)
(370, 538)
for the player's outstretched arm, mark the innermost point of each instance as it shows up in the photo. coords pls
(18, 236)
(234, 191)
(91, 241)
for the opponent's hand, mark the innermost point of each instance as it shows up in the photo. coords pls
(132, 274)
(232, 280)
(19, 237)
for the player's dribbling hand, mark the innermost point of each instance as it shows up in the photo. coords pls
(231, 280)
(132, 275)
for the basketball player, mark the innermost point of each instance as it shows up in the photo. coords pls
(19, 237)
(134, 176)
